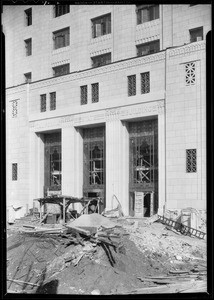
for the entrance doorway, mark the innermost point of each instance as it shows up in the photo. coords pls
(94, 163)
(52, 163)
(143, 168)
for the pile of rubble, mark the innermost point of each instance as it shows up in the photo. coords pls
(95, 255)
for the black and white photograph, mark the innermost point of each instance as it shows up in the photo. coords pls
(106, 158)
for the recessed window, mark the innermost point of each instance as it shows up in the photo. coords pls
(61, 70)
(83, 94)
(61, 10)
(148, 48)
(28, 47)
(147, 13)
(145, 83)
(14, 171)
(14, 108)
(196, 34)
(61, 38)
(43, 102)
(191, 160)
(101, 26)
(95, 92)
(53, 101)
(27, 77)
(190, 73)
(101, 60)
(132, 85)
(28, 16)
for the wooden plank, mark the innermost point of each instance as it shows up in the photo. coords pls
(78, 229)
(20, 281)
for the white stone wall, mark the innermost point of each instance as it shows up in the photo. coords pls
(185, 128)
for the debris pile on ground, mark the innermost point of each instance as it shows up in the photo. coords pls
(96, 255)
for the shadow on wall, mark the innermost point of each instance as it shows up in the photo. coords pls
(48, 288)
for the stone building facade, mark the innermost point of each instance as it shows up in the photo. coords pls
(107, 100)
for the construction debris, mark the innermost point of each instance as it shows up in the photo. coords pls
(95, 255)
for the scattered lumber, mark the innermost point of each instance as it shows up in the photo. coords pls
(76, 229)
(20, 281)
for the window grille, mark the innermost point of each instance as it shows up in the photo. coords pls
(28, 16)
(95, 92)
(43, 102)
(83, 94)
(148, 48)
(145, 83)
(132, 85)
(14, 108)
(101, 26)
(61, 38)
(27, 77)
(14, 171)
(53, 101)
(196, 34)
(61, 10)
(191, 160)
(190, 73)
(147, 13)
(101, 60)
(28, 47)
(61, 70)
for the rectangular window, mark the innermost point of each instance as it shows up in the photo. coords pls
(14, 171)
(61, 38)
(27, 77)
(43, 102)
(101, 60)
(28, 16)
(132, 85)
(145, 83)
(61, 10)
(83, 94)
(196, 34)
(61, 70)
(101, 26)
(190, 69)
(148, 48)
(191, 160)
(28, 47)
(147, 13)
(14, 108)
(53, 101)
(95, 92)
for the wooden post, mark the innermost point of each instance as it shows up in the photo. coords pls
(151, 204)
(63, 210)
(40, 210)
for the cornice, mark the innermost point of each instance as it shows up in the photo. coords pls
(186, 49)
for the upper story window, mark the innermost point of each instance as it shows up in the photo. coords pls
(61, 38)
(83, 94)
(95, 92)
(27, 77)
(14, 171)
(131, 85)
(28, 16)
(53, 101)
(60, 10)
(191, 160)
(43, 102)
(148, 48)
(61, 70)
(101, 26)
(146, 13)
(14, 108)
(28, 47)
(101, 60)
(196, 34)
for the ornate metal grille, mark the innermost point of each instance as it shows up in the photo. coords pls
(83, 94)
(95, 92)
(14, 171)
(53, 101)
(145, 83)
(131, 85)
(191, 160)
(94, 158)
(53, 164)
(43, 102)
(14, 108)
(190, 73)
(143, 155)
